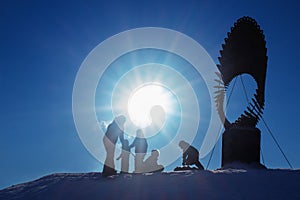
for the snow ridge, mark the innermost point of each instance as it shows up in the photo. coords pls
(227, 183)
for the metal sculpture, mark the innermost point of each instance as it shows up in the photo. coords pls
(244, 52)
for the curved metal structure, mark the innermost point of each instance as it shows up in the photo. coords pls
(244, 52)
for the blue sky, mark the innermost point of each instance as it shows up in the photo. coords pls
(43, 44)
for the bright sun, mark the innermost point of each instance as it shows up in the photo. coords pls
(147, 102)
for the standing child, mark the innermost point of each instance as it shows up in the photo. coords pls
(141, 145)
(125, 157)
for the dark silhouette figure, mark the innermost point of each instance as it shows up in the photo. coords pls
(151, 165)
(190, 155)
(140, 144)
(113, 132)
(125, 157)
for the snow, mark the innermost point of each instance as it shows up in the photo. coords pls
(227, 183)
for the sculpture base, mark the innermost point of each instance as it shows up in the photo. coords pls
(241, 145)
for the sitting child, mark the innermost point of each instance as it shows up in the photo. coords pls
(151, 165)
(190, 155)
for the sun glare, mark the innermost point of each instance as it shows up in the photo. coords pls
(146, 103)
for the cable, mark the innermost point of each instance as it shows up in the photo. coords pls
(269, 130)
(230, 93)
(245, 91)
(262, 156)
(219, 132)
(212, 152)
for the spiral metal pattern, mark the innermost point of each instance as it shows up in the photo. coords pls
(244, 52)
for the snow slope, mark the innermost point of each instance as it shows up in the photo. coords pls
(218, 184)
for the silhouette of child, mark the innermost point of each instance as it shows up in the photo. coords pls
(125, 157)
(140, 144)
(151, 165)
(190, 155)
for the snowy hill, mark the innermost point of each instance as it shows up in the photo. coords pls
(218, 184)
